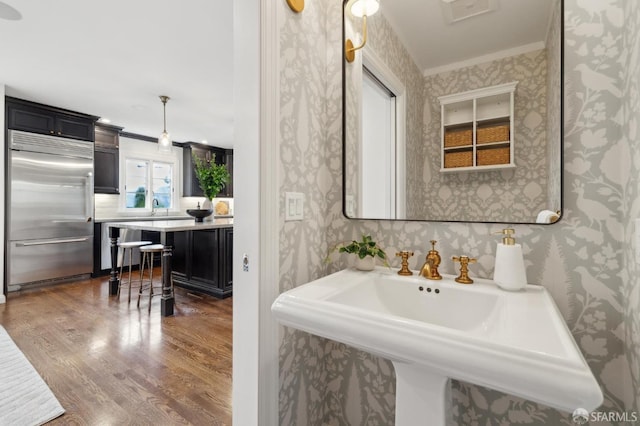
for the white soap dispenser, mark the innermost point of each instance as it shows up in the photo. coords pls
(509, 273)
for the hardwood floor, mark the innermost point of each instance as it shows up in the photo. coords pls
(110, 363)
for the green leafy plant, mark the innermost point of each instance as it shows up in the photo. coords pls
(139, 199)
(212, 177)
(364, 248)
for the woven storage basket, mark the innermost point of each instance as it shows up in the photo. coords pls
(493, 156)
(458, 137)
(498, 133)
(458, 159)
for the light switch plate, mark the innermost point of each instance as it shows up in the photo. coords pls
(294, 206)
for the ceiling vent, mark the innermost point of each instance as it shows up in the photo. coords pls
(458, 10)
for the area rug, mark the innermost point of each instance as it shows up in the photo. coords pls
(25, 399)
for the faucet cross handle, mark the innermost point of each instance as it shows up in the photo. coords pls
(405, 255)
(463, 278)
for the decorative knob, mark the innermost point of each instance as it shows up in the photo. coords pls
(463, 278)
(405, 255)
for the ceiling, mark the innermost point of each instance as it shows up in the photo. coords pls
(115, 59)
(435, 42)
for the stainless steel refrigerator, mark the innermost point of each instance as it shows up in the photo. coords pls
(50, 208)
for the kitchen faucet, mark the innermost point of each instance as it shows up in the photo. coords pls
(154, 204)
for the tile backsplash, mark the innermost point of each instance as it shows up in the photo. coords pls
(107, 206)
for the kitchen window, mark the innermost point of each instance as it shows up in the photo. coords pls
(148, 182)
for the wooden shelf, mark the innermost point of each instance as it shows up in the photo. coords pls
(477, 131)
(478, 168)
(458, 148)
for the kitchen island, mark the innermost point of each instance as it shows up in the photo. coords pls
(203, 261)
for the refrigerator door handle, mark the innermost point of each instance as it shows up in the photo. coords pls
(89, 197)
(42, 243)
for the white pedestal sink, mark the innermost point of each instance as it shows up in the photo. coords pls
(515, 342)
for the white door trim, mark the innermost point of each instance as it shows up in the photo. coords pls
(256, 224)
(380, 69)
(269, 342)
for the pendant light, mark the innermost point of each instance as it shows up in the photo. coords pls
(164, 141)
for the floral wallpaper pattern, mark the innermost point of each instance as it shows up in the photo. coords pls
(516, 195)
(587, 261)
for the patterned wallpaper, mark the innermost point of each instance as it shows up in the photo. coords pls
(516, 195)
(586, 261)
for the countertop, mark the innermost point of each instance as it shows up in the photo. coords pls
(142, 218)
(173, 225)
(150, 218)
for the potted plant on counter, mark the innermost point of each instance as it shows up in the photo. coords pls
(212, 178)
(366, 252)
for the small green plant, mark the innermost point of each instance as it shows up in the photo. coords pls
(212, 177)
(364, 248)
(139, 199)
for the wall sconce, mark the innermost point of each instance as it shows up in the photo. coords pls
(360, 9)
(296, 5)
(164, 141)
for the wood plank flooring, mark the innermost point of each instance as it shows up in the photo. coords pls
(110, 363)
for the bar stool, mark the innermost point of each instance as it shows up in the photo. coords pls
(147, 258)
(124, 246)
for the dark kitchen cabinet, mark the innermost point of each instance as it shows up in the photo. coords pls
(202, 261)
(107, 159)
(37, 118)
(226, 260)
(191, 187)
(228, 189)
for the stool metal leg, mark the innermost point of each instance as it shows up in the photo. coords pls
(147, 262)
(150, 280)
(130, 256)
(120, 275)
(144, 258)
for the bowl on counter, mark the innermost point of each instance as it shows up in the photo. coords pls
(199, 214)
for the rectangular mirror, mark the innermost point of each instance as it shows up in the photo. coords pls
(453, 110)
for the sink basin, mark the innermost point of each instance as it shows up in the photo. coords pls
(391, 296)
(199, 214)
(515, 342)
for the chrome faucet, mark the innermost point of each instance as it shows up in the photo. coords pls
(154, 205)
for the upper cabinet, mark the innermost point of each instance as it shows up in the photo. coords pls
(191, 187)
(106, 159)
(477, 129)
(42, 119)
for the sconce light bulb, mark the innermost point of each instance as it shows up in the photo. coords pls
(360, 8)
